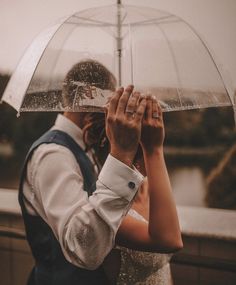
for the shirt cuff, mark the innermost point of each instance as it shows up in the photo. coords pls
(120, 178)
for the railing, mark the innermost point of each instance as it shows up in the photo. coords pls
(208, 257)
(12, 233)
(207, 262)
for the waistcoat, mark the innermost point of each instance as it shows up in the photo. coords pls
(51, 267)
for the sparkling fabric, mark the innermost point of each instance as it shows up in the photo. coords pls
(143, 268)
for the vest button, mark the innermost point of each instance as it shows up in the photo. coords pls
(131, 185)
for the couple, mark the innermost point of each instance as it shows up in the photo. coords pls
(116, 227)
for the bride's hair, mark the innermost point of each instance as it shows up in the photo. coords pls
(94, 136)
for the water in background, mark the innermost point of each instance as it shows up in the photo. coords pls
(189, 186)
(188, 180)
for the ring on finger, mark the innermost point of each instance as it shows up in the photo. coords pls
(129, 111)
(155, 115)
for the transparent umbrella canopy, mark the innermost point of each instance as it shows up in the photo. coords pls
(156, 51)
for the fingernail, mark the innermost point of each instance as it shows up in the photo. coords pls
(130, 86)
(120, 89)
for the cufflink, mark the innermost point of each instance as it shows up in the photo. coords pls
(131, 185)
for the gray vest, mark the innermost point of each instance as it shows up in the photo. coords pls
(51, 267)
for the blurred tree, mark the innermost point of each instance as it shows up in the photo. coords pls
(21, 132)
(200, 128)
(195, 129)
(4, 78)
(221, 183)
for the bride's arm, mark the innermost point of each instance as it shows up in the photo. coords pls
(162, 232)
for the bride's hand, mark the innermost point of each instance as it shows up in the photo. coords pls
(152, 136)
(124, 123)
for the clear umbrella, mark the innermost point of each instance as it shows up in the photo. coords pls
(156, 51)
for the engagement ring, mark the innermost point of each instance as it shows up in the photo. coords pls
(129, 111)
(155, 115)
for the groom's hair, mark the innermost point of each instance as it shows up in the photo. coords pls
(84, 74)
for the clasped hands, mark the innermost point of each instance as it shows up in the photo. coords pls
(132, 118)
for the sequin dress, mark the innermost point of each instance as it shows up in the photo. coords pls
(143, 268)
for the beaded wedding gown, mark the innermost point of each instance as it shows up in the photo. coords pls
(143, 268)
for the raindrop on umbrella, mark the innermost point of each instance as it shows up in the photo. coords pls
(156, 51)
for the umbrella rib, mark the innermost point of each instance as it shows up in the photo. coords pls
(151, 21)
(176, 19)
(157, 24)
(209, 53)
(93, 24)
(175, 63)
(93, 21)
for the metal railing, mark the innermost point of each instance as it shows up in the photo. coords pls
(12, 233)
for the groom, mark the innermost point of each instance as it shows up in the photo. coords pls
(71, 217)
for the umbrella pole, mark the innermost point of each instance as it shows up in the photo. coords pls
(119, 40)
(234, 108)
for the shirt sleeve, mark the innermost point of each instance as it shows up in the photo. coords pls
(85, 227)
(116, 187)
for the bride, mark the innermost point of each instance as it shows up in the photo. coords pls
(150, 231)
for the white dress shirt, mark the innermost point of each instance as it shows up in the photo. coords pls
(84, 226)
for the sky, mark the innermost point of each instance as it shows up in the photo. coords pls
(214, 20)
